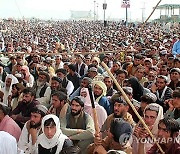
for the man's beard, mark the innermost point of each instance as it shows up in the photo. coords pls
(75, 113)
(39, 84)
(118, 116)
(15, 95)
(7, 88)
(96, 96)
(26, 102)
(32, 125)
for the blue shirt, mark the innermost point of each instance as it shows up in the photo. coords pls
(176, 48)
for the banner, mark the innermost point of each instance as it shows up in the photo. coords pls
(125, 4)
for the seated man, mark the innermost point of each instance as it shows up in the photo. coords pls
(161, 90)
(117, 139)
(120, 111)
(32, 128)
(43, 89)
(78, 125)
(85, 82)
(16, 95)
(56, 84)
(152, 114)
(99, 90)
(62, 74)
(109, 84)
(174, 106)
(167, 132)
(21, 114)
(52, 140)
(7, 124)
(60, 104)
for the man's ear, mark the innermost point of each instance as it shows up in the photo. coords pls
(32, 97)
(175, 134)
(127, 107)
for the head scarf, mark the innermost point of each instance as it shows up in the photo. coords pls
(101, 112)
(103, 86)
(159, 116)
(58, 139)
(87, 98)
(14, 80)
(26, 68)
(96, 59)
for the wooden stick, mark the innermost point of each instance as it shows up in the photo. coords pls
(132, 106)
(73, 53)
(96, 124)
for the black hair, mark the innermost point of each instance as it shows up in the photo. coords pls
(72, 67)
(146, 99)
(61, 96)
(45, 74)
(119, 100)
(171, 125)
(56, 79)
(121, 71)
(78, 100)
(5, 109)
(36, 110)
(49, 122)
(62, 70)
(29, 90)
(176, 93)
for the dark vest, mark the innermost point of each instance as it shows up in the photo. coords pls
(42, 91)
(80, 124)
(65, 82)
(81, 73)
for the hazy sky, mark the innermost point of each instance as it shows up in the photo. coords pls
(60, 9)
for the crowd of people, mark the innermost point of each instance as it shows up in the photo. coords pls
(51, 76)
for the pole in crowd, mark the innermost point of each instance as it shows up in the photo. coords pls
(126, 4)
(96, 124)
(132, 106)
(104, 8)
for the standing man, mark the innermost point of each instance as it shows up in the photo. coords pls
(78, 125)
